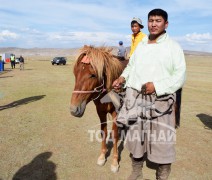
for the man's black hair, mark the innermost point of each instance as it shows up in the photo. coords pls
(158, 12)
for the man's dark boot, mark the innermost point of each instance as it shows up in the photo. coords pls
(137, 165)
(163, 171)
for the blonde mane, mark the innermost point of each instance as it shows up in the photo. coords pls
(103, 62)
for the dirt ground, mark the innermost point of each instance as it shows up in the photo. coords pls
(40, 140)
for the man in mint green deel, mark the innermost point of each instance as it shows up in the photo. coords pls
(155, 72)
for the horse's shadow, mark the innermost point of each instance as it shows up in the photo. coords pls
(39, 168)
(206, 120)
(21, 102)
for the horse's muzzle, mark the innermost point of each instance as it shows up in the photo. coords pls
(79, 110)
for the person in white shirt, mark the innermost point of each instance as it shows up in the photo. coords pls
(121, 51)
(155, 72)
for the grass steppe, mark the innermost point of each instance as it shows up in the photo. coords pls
(39, 139)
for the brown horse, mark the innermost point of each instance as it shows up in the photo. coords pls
(95, 70)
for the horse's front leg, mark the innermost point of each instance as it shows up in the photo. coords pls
(115, 164)
(101, 159)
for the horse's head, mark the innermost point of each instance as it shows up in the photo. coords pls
(94, 72)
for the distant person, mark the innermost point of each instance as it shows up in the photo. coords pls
(121, 51)
(21, 62)
(137, 36)
(12, 60)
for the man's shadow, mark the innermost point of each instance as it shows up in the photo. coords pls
(28, 69)
(5, 71)
(21, 102)
(40, 168)
(206, 120)
(5, 77)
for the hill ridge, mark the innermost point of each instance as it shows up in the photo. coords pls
(68, 51)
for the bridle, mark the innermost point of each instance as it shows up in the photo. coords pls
(99, 89)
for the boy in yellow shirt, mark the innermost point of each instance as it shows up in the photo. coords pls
(137, 36)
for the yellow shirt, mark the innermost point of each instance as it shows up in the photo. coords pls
(135, 40)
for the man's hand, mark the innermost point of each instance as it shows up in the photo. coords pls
(150, 88)
(117, 84)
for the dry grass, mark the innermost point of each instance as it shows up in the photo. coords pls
(40, 139)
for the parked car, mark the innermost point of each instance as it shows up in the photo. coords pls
(59, 60)
(17, 60)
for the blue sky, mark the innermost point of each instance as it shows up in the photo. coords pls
(73, 23)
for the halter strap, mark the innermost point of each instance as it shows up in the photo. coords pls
(94, 90)
(101, 91)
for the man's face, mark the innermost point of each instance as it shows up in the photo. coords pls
(135, 28)
(156, 25)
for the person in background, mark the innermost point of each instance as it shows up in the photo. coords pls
(12, 60)
(137, 36)
(121, 51)
(21, 59)
(155, 72)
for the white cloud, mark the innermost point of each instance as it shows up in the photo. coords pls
(196, 41)
(199, 38)
(30, 31)
(7, 35)
(33, 38)
(65, 23)
(93, 38)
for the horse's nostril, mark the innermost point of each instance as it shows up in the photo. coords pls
(78, 111)
(73, 109)
(72, 113)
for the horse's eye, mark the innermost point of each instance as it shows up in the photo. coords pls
(93, 76)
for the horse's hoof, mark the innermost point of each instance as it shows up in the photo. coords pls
(101, 162)
(114, 169)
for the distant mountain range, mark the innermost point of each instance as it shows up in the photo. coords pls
(198, 53)
(68, 51)
(40, 51)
